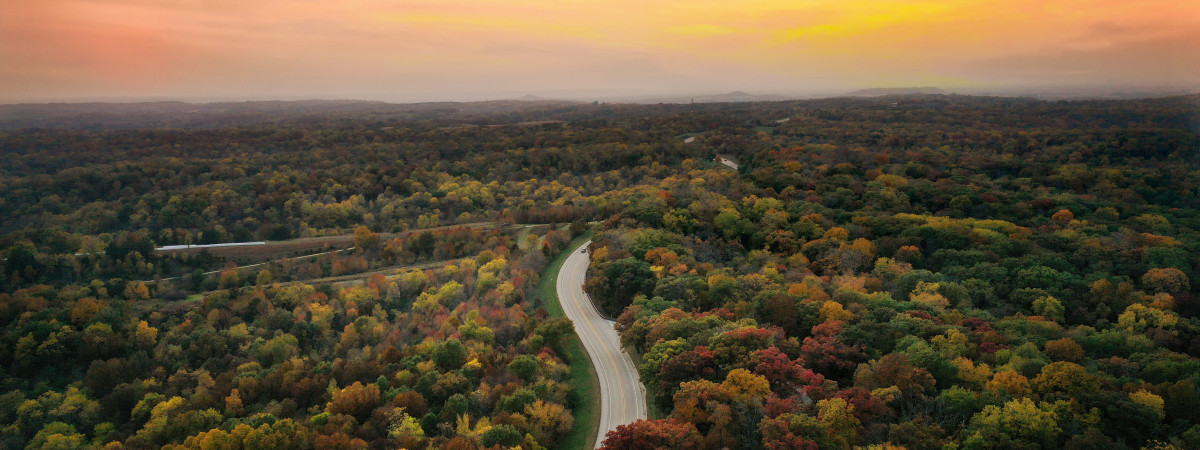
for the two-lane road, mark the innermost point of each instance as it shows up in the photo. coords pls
(622, 396)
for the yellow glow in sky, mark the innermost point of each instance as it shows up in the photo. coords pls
(423, 50)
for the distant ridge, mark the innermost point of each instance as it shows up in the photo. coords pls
(176, 114)
(728, 97)
(876, 92)
(739, 96)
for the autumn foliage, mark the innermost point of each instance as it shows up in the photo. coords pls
(901, 272)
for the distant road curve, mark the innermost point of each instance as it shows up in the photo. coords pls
(187, 246)
(314, 255)
(622, 396)
(728, 162)
(343, 238)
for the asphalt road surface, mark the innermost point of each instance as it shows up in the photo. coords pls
(622, 396)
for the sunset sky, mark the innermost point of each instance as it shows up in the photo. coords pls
(464, 50)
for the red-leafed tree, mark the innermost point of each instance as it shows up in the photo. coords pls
(653, 434)
(826, 352)
(867, 408)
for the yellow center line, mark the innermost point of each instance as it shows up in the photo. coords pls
(611, 359)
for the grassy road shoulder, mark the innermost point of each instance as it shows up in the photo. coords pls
(583, 376)
(653, 411)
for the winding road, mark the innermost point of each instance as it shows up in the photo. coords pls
(622, 396)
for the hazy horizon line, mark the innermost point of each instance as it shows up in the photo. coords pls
(1048, 91)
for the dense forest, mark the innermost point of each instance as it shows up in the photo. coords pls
(915, 272)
